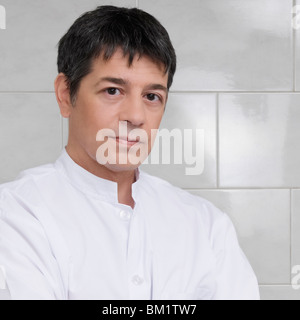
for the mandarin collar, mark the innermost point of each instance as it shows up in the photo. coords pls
(89, 183)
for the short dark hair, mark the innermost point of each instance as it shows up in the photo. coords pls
(103, 31)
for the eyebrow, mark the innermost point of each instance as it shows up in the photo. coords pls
(118, 81)
(157, 87)
(122, 82)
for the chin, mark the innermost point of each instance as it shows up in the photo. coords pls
(122, 167)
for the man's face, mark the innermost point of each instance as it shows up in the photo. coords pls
(120, 98)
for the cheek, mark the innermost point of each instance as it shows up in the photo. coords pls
(157, 120)
(93, 117)
(152, 128)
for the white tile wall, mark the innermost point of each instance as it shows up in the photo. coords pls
(229, 45)
(252, 155)
(182, 113)
(279, 293)
(65, 130)
(30, 132)
(259, 140)
(28, 45)
(296, 227)
(262, 221)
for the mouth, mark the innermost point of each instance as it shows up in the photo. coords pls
(126, 141)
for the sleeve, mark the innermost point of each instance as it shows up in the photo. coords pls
(235, 277)
(31, 269)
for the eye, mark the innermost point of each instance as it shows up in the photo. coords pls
(113, 91)
(153, 97)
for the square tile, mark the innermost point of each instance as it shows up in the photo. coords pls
(192, 153)
(30, 132)
(28, 49)
(295, 227)
(259, 140)
(262, 222)
(229, 45)
(279, 293)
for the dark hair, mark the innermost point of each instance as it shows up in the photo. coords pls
(106, 29)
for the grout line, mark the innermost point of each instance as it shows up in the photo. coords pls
(137, 3)
(186, 92)
(217, 142)
(235, 92)
(239, 188)
(294, 52)
(291, 235)
(275, 285)
(25, 92)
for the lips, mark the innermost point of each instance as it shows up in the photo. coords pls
(126, 138)
(126, 141)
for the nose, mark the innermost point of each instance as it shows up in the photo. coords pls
(133, 111)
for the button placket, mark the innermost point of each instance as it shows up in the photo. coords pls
(124, 215)
(138, 277)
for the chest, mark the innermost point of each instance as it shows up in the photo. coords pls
(145, 253)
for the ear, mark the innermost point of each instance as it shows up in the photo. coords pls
(62, 93)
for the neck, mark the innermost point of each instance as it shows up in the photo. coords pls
(124, 179)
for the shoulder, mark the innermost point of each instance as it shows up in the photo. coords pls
(163, 188)
(196, 213)
(26, 187)
(23, 209)
(175, 196)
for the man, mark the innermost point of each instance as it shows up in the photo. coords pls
(92, 225)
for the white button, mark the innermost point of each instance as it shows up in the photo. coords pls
(124, 215)
(137, 280)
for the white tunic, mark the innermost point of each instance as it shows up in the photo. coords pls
(63, 235)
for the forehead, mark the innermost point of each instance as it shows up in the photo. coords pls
(118, 65)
